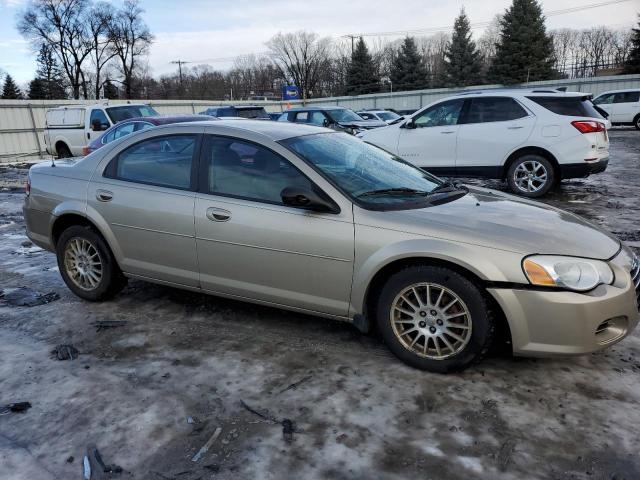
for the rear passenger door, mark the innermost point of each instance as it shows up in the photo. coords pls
(251, 245)
(146, 194)
(492, 128)
(625, 107)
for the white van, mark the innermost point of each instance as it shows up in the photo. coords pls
(70, 128)
(623, 106)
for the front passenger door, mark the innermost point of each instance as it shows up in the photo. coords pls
(251, 245)
(432, 143)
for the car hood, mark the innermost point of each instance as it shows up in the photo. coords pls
(364, 124)
(498, 220)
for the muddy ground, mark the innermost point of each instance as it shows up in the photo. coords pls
(296, 396)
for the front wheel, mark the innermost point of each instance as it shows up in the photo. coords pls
(434, 319)
(87, 265)
(636, 122)
(531, 176)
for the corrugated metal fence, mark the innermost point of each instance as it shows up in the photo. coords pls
(22, 121)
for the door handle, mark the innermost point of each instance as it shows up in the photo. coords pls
(516, 127)
(104, 195)
(218, 214)
(448, 131)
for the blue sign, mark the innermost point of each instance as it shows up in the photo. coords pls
(290, 92)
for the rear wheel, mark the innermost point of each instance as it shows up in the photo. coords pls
(531, 175)
(636, 122)
(63, 151)
(87, 265)
(434, 319)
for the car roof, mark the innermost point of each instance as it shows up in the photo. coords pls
(273, 130)
(622, 90)
(317, 107)
(164, 119)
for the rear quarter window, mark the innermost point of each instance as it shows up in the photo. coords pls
(567, 106)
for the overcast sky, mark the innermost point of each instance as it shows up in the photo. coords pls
(206, 31)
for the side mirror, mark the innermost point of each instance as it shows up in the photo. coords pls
(327, 123)
(308, 200)
(410, 124)
(96, 125)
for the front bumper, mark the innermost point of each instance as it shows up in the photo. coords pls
(584, 169)
(546, 323)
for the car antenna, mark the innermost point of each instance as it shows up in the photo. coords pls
(53, 163)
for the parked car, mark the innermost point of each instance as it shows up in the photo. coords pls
(312, 220)
(127, 127)
(70, 128)
(623, 106)
(274, 115)
(531, 138)
(242, 111)
(385, 116)
(337, 118)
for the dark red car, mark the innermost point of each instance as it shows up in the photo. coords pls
(138, 124)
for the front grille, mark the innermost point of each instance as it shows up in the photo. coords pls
(635, 278)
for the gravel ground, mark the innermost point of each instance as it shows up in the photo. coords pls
(295, 396)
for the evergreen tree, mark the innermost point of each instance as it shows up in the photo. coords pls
(362, 76)
(408, 71)
(37, 89)
(109, 90)
(462, 60)
(50, 73)
(632, 65)
(10, 91)
(524, 51)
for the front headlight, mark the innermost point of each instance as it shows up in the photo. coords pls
(580, 274)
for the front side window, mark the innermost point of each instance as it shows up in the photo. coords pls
(125, 112)
(604, 99)
(142, 126)
(388, 116)
(247, 170)
(442, 114)
(164, 161)
(99, 118)
(369, 175)
(626, 97)
(367, 116)
(494, 109)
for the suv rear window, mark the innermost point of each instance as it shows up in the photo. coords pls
(568, 106)
(252, 112)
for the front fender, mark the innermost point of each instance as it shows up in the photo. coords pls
(488, 264)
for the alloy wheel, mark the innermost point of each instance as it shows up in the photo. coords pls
(530, 176)
(83, 263)
(431, 321)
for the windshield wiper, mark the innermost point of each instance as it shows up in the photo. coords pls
(393, 191)
(447, 187)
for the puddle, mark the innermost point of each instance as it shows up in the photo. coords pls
(26, 297)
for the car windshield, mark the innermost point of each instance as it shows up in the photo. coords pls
(386, 116)
(344, 115)
(369, 175)
(125, 112)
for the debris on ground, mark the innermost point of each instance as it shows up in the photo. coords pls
(105, 468)
(205, 448)
(288, 427)
(266, 416)
(106, 324)
(26, 297)
(70, 459)
(295, 385)
(65, 352)
(17, 407)
(86, 468)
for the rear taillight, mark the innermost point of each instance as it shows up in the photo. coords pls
(85, 151)
(27, 187)
(588, 126)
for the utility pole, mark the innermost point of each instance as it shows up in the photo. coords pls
(179, 63)
(352, 37)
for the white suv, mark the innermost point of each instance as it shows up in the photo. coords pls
(531, 138)
(623, 106)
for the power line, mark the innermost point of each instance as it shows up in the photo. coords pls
(550, 13)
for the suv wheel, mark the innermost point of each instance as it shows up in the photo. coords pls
(531, 175)
(87, 265)
(434, 319)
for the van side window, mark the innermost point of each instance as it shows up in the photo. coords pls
(626, 97)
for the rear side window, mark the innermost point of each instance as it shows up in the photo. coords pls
(252, 113)
(568, 106)
(164, 161)
(494, 109)
(626, 97)
(301, 117)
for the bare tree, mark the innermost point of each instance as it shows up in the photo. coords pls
(131, 39)
(99, 21)
(300, 58)
(62, 25)
(488, 41)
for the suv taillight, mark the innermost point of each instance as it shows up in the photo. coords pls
(588, 126)
(85, 151)
(27, 187)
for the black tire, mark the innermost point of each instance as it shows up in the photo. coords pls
(111, 278)
(526, 161)
(636, 122)
(480, 319)
(63, 151)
